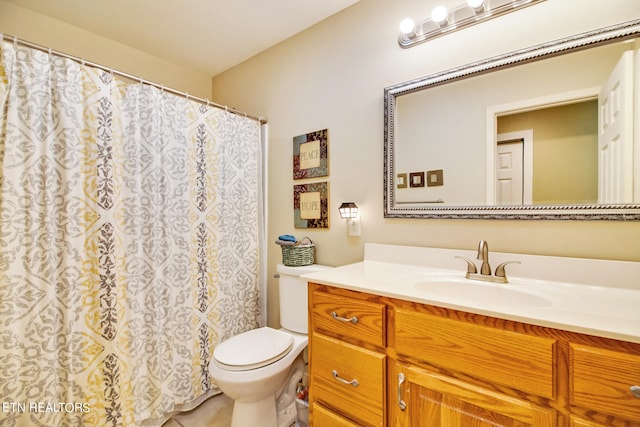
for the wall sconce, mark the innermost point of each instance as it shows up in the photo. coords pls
(444, 21)
(349, 211)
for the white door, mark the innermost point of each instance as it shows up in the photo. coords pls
(514, 168)
(509, 173)
(615, 134)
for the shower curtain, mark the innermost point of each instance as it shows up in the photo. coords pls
(129, 242)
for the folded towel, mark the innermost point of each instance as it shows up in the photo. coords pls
(287, 238)
(285, 243)
(305, 241)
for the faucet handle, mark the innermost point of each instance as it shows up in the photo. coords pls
(500, 270)
(471, 267)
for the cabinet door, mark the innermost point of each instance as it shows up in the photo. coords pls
(601, 381)
(433, 400)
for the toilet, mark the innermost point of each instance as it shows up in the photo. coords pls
(260, 369)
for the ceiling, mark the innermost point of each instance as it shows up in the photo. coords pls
(207, 35)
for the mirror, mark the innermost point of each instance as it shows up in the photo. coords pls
(517, 136)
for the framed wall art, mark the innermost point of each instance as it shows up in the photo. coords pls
(311, 205)
(402, 180)
(311, 155)
(416, 179)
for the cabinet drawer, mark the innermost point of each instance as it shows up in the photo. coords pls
(521, 361)
(322, 417)
(341, 317)
(600, 380)
(348, 379)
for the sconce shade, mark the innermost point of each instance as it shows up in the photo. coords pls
(348, 210)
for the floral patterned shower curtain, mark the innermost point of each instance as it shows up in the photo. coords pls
(129, 242)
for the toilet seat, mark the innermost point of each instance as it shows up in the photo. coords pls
(252, 349)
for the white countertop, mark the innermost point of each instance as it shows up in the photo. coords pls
(606, 311)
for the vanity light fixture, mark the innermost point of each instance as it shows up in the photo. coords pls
(443, 21)
(349, 211)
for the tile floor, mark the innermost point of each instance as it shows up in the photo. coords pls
(213, 412)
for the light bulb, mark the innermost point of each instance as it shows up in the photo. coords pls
(439, 15)
(476, 5)
(407, 26)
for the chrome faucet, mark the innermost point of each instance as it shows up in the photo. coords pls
(485, 268)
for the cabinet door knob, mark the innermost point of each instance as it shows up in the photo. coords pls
(353, 382)
(635, 390)
(352, 319)
(401, 403)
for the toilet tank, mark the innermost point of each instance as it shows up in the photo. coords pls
(294, 314)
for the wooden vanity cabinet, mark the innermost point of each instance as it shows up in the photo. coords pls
(445, 368)
(347, 362)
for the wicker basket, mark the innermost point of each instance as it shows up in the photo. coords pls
(298, 255)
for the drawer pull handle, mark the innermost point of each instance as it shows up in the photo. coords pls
(635, 390)
(401, 403)
(352, 319)
(353, 382)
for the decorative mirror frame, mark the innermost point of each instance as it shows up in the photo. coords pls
(393, 209)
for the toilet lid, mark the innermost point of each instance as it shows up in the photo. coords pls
(253, 349)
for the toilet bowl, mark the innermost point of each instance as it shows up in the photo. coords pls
(262, 395)
(260, 369)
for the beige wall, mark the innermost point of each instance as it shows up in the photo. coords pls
(333, 75)
(42, 30)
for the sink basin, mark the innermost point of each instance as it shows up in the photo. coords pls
(495, 294)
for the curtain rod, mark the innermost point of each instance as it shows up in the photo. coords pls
(186, 95)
